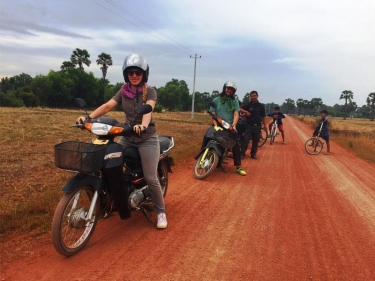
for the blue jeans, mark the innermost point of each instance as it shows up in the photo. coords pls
(149, 150)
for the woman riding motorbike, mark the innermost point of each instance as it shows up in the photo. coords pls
(133, 94)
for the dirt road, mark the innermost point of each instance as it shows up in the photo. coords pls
(293, 217)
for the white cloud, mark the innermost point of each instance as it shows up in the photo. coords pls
(288, 47)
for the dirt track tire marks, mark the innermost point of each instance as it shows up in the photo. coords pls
(293, 217)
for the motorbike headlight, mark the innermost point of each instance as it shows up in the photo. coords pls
(225, 124)
(100, 129)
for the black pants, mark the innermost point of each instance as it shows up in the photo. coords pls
(236, 151)
(252, 132)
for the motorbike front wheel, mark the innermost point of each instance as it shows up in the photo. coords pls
(205, 166)
(71, 227)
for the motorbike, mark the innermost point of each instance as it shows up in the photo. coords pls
(217, 142)
(108, 179)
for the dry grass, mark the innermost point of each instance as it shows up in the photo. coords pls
(31, 184)
(356, 135)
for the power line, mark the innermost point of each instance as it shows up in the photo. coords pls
(157, 34)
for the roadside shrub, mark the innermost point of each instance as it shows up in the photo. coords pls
(158, 108)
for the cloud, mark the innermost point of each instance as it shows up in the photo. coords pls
(284, 49)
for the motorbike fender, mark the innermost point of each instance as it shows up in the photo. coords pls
(168, 160)
(115, 179)
(215, 146)
(83, 179)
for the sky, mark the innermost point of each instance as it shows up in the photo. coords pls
(283, 49)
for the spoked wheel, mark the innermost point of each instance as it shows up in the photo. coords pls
(71, 228)
(206, 164)
(163, 177)
(313, 146)
(273, 135)
(263, 138)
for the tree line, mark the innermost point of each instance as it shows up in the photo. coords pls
(59, 88)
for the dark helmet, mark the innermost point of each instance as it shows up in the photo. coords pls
(230, 84)
(136, 61)
(324, 111)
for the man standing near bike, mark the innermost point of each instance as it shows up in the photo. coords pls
(228, 109)
(255, 114)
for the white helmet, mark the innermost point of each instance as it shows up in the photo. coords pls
(137, 61)
(230, 84)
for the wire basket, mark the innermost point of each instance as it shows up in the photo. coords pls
(79, 156)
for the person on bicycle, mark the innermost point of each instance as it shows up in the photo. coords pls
(133, 94)
(228, 109)
(324, 134)
(276, 114)
(255, 114)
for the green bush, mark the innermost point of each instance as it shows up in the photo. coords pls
(158, 108)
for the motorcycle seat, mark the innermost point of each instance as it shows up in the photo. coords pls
(164, 143)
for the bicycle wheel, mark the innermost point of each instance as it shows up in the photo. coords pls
(204, 167)
(263, 138)
(273, 135)
(71, 229)
(313, 146)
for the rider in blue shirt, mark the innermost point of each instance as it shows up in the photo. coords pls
(277, 114)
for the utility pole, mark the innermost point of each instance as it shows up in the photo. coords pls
(195, 70)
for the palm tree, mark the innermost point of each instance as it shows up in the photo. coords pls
(80, 57)
(65, 65)
(347, 96)
(104, 60)
(371, 103)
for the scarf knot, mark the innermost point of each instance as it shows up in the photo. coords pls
(230, 103)
(128, 92)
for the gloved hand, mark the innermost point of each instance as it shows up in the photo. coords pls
(80, 120)
(139, 130)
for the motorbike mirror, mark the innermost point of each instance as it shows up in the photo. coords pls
(144, 109)
(212, 104)
(80, 102)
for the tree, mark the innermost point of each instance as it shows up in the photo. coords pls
(65, 65)
(104, 60)
(347, 96)
(371, 103)
(246, 98)
(80, 57)
(315, 104)
(300, 105)
(288, 105)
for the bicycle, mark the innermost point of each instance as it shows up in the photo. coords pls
(273, 133)
(314, 145)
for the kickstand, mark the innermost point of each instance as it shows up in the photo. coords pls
(147, 213)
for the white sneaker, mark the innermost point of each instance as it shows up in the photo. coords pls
(162, 221)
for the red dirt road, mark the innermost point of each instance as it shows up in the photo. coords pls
(293, 217)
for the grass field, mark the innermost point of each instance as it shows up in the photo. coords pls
(31, 184)
(357, 135)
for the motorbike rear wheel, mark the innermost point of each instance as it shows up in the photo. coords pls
(202, 171)
(71, 230)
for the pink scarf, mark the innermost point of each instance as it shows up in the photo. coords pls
(129, 92)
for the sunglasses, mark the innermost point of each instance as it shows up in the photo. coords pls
(136, 72)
